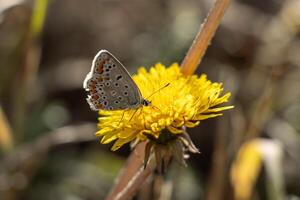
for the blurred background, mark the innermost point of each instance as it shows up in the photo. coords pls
(47, 145)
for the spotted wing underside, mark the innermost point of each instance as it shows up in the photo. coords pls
(109, 85)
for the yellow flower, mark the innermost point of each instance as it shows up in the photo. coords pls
(245, 169)
(183, 103)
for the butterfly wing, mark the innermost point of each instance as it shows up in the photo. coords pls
(109, 84)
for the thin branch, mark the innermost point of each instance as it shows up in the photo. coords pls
(26, 158)
(40, 146)
(203, 38)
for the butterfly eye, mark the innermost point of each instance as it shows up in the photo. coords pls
(125, 93)
(117, 102)
(116, 84)
(114, 65)
(120, 98)
(126, 86)
(107, 83)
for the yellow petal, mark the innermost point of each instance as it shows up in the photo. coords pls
(121, 142)
(174, 130)
(218, 109)
(202, 117)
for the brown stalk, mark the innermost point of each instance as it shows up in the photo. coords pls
(263, 108)
(203, 38)
(136, 181)
(133, 164)
(132, 177)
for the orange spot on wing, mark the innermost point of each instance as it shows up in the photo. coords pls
(92, 87)
(98, 106)
(99, 68)
(93, 91)
(95, 97)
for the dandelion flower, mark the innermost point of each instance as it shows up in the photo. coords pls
(183, 103)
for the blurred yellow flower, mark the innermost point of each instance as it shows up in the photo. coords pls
(245, 170)
(184, 102)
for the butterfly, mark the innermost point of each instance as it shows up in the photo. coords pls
(110, 86)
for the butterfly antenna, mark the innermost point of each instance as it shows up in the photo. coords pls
(158, 90)
(134, 114)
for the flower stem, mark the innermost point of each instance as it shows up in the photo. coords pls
(30, 59)
(262, 111)
(203, 37)
(129, 174)
(136, 182)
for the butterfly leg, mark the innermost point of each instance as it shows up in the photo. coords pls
(122, 117)
(144, 122)
(135, 113)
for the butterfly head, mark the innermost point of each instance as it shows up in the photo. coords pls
(146, 102)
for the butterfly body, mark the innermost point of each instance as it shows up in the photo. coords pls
(110, 86)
